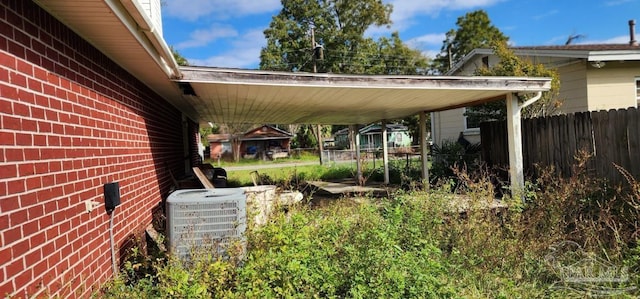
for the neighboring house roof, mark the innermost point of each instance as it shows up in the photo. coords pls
(219, 137)
(266, 132)
(589, 52)
(374, 128)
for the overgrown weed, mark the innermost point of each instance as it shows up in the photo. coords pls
(416, 244)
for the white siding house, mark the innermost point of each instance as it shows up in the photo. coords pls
(592, 77)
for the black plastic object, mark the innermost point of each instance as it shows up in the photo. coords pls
(111, 196)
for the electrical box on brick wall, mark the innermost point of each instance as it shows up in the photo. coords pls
(111, 196)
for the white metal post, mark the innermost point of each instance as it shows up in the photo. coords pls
(423, 149)
(358, 162)
(514, 136)
(385, 152)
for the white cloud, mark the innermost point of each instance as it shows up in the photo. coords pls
(405, 10)
(546, 15)
(192, 10)
(622, 39)
(433, 39)
(617, 2)
(243, 53)
(203, 37)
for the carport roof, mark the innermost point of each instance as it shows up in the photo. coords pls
(125, 34)
(253, 96)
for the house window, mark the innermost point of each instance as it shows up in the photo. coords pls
(474, 115)
(471, 121)
(485, 61)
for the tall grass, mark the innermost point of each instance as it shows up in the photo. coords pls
(424, 245)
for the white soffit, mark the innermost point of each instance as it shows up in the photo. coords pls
(112, 29)
(253, 96)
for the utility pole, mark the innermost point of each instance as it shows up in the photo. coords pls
(315, 48)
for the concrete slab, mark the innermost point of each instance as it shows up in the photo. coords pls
(346, 187)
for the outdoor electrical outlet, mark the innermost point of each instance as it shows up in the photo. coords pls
(90, 205)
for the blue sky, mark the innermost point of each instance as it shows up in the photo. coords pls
(229, 33)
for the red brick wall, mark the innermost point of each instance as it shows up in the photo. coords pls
(70, 121)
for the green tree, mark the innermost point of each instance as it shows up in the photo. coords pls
(339, 27)
(474, 31)
(178, 57)
(511, 65)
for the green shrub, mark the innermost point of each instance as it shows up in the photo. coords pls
(412, 245)
(344, 250)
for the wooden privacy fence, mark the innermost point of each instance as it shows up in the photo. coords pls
(609, 136)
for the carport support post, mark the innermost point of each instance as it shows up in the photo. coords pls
(356, 136)
(423, 150)
(385, 152)
(320, 145)
(514, 135)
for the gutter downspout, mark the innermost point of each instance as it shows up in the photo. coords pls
(531, 100)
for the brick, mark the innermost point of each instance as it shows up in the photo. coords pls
(25, 68)
(26, 96)
(29, 125)
(8, 171)
(38, 238)
(24, 278)
(18, 79)
(44, 127)
(3, 189)
(31, 154)
(16, 186)
(41, 167)
(21, 109)
(52, 234)
(48, 180)
(20, 248)
(57, 129)
(41, 267)
(39, 140)
(11, 123)
(24, 139)
(5, 255)
(53, 140)
(5, 104)
(9, 204)
(33, 183)
(42, 101)
(12, 235)
(36, 112)
(7, 138)
(60, 178)
(18, 218)
(38, 72)
(29, 199)
(7, 60)
(6, 287)
(8, 91)
(35, 211)
(33, 57)
(45, 222)
(33, 257)
(55, 166)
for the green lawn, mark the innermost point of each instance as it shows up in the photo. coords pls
(297, 156)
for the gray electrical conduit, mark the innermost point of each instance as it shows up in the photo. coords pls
(113, 251)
